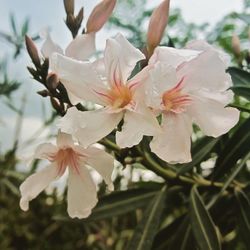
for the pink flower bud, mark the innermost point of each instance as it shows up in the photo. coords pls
(69, 6)
(32, 51)
(52, 80)
(157, 25)
(100, 15)
(236, 45)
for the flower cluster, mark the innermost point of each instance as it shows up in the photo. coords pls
(176, 89)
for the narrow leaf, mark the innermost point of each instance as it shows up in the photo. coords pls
(146, 230)
(13, 24)
(240, 77)
(236, 148)
(118, 203)
(203, 227)
(183, 239)
(229, 180)
(245, 108)
(244, 215)
(242, 90)
(25, 27)
(200, 151)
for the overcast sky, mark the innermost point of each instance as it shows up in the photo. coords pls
(50, 13)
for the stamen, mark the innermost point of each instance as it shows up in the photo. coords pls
(173, 100)
(67, 158)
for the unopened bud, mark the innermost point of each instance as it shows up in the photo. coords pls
(79, 17)
(157, 25)
(32, 71)
(236, 45)
(70, 21)
(55, 104)
(69, 6)
(32, 50)
(100, 15)
(43, 93)
(45, 66)
(52, 81)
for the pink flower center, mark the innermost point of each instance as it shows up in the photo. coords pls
(67, 158)
(174, 100)
(119, 96)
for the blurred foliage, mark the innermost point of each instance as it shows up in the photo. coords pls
(193, 206)
(7, 86)
(16, 35)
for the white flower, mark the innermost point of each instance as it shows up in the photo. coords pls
(188, 86)
(106, 83)
(82, 195)
(80, 48)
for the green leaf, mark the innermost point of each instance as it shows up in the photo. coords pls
(13, 24)
(11, 186)
(118, 203)
(200, 151)
(239, 77)
(203, 227)
(241, 81)
(229, 180)
(236, 148)
(25, 27)
(241, 107)
(146, 230)
(165, 236)
(244, 215)
(243, 91)
(183, 239)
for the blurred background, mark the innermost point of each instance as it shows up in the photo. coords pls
(26, 118)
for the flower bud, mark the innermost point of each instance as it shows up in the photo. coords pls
(43, 93)
(157, 25)
(56, 104)
(32, 50)
(100, 15)
(69, 6)
(32, 71)
(236, 45)
(52, 81)
(79, 17)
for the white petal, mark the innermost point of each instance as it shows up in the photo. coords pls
(205, 71)
(135, 126)
(224, 97)
(64, 140)
(161, 78)
(97, 125)
(44, 150)
(100, 67)
(172, 56)
(35, 184)
(81, 193)
(174, 143)
(79, 78)
(211, 116)
(102, 162)
(82, 47)
(120, 59)
(202, 45)
(49, 47)
(71, 121)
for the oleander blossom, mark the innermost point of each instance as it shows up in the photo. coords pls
(82, 194)
(106, 82)
(80, 48)
(188, 86)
